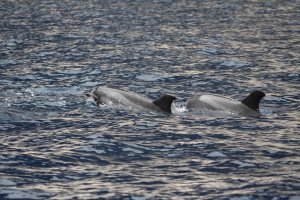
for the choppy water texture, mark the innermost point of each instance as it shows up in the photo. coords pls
(56, 144)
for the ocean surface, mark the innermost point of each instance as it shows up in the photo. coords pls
(57, 144)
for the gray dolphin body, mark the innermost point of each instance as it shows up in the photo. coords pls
(106, 95)
(247, 107)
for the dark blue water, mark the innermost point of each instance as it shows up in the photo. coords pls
(56, 144)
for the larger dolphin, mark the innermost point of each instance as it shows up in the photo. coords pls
(247, 107)
(106, 95)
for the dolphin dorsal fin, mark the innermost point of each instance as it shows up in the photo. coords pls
(253, 99)
(165, 102)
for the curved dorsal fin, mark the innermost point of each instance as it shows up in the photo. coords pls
(165, 102)
(253, 99)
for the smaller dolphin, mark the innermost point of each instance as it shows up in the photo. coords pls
(106, 95)
(247, 107)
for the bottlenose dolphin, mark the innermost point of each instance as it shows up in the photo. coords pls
(106, 95)
(247, 107)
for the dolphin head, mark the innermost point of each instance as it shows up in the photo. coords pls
(92, 94)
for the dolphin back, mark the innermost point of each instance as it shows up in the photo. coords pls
(104, 95)
(247, 107)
